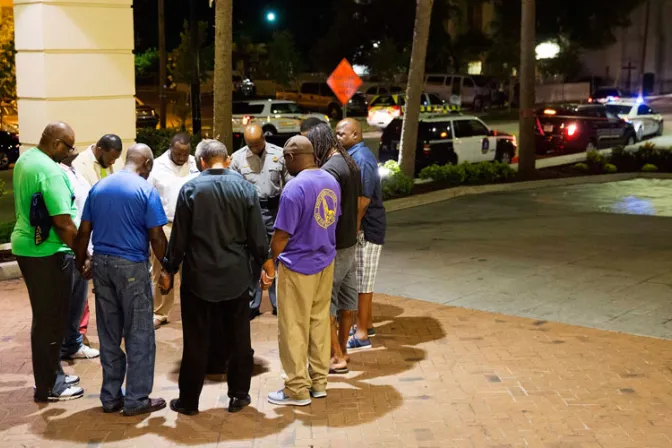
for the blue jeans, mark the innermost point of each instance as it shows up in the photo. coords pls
(73, 339)
(124, 307)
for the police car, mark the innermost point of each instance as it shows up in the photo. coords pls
(276, 117)
(571, 128)
(450, 139)
(645, 120)
(385, 108)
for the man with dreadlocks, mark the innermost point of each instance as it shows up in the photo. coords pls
(334, 159)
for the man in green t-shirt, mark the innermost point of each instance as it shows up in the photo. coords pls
(47, 263)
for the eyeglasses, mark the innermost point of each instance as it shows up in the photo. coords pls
(71, 148)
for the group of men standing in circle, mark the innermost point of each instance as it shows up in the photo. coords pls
(305, 222)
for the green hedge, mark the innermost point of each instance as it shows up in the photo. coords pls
(469, 173)
(6, 231)
(395, 184)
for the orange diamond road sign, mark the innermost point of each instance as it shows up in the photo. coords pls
(344, 82)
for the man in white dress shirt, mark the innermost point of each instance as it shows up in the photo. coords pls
(74, 346)
(171, 171)
(93, 164)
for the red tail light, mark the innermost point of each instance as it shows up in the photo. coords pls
(246, 120)
(572, 130)
(395, 111)
(590, 100)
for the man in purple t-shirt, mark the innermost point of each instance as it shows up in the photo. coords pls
(304, 243)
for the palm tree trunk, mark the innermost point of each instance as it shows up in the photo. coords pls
(223, 89)
(195, 47)
(416, 81)
(163, 63)
(526, 151)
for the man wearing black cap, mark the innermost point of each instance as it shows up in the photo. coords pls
(304, 243)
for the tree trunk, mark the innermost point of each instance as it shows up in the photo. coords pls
(526, 151)
(416, 81)
(163, 63)
(195, 47)
(223, 88)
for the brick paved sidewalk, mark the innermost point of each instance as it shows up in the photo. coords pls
(439, 377)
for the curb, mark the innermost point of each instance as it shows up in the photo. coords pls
(451, 193)
(9, 271)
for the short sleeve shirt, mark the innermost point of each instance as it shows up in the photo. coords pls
(373, 223)
(350, 183)
(36, 172)
(121, 209)
(266, 172)
(309, 211)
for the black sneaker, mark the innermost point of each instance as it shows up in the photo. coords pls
(238, 404)
(254, 313)
(176, 406)
(155, 404)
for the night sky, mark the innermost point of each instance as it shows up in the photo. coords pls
(308, 21)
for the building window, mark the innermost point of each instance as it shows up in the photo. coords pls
(475, 68)
(475, 16)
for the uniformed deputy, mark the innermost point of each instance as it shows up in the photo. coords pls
(261, 163)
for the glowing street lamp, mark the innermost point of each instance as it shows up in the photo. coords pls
(547, 50)
(271, 17)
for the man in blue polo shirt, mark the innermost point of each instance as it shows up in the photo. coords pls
(371, 235)
(126, 213)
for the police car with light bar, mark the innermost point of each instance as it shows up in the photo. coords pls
(276, 117)
(646, 121)
(572, 128)
(450, 139)
(385, 108)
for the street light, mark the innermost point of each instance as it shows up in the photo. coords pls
(271, 17)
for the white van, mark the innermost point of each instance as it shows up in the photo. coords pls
(473, 90)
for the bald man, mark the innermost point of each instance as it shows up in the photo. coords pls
(42, 242)
(125, 214)
(261, 163)
(371, 230)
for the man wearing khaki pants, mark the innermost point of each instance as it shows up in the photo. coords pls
(171, 171)
(304, 244)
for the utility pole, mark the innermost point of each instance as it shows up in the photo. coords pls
(195, 78)
(526, 149)
(163, 61)
(642, 66)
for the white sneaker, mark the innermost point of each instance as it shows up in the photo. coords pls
(71, 393)
(71, 380)
(318, 394)
(85, 352)
(279, 398)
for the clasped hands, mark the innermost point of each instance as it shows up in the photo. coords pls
(166, 282)
(267, 275)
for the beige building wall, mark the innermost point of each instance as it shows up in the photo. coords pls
(75, 63)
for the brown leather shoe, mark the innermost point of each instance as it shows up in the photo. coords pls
(155, 404)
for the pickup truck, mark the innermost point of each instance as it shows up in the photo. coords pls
(319, 96)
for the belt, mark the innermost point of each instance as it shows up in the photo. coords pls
(270, 203)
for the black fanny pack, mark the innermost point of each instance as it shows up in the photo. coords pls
(39, 218)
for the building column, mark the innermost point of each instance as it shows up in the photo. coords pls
(75, 64)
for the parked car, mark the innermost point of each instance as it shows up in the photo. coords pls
(474, 91)
(645, 120)
(384, 109)
(604, 95)
(145, 116)
(373, 91)
(319, 96)
(9, 149)
(574, 128)
(276, 117)
(450, 139)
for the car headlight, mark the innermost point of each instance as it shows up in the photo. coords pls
(384, 172)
